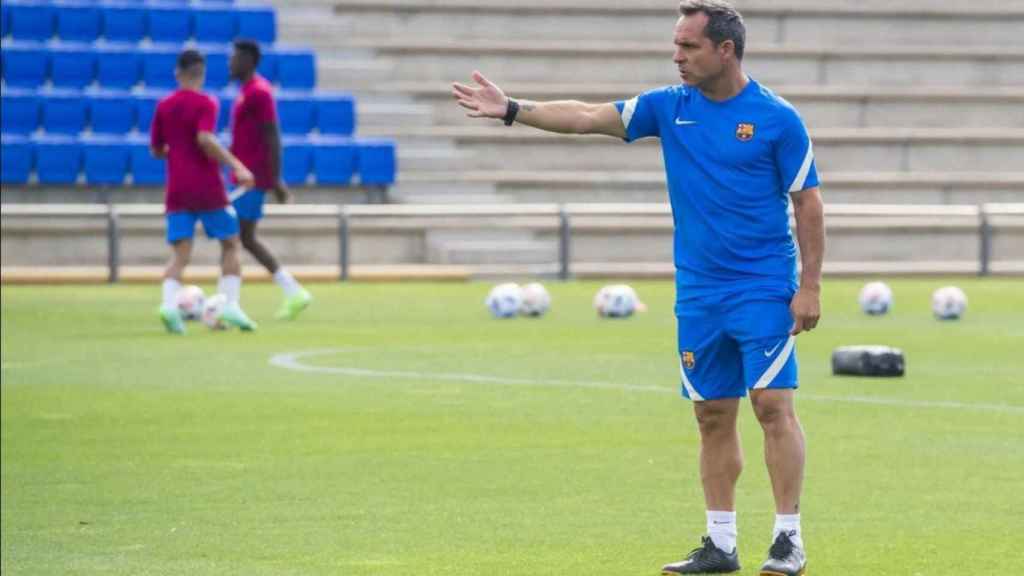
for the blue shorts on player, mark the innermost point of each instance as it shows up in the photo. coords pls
(734, 345)
(218, 224)
(249, 204)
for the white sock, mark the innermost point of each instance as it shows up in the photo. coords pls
(171, 287)
(287, 282)
(788, 523)
(230, 287)
(722, 530)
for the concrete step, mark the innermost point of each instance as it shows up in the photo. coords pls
(486, 251)
(650, 62)
(886, 150)
(820, 106)
(617, 187)
(820, 24)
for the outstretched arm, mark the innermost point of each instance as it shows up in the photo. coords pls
(486, 100)
(212, 148)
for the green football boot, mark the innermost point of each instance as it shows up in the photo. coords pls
(294, 304)
(234, 316)
(172, 320)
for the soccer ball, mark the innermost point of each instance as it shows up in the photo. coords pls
(212, 310)
(504, 300)
(875, 298)
(536, 300)
(190, 302)
(617, 301)
(949, 303)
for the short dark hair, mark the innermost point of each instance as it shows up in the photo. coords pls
(249, 47)
(190, 58)
(724, 22)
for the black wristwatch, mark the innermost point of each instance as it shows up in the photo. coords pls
(510, 114)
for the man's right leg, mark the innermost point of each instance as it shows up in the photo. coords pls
(249, 208)
(230, 284)
(712, 377)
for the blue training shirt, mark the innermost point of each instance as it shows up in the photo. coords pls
(730, 168)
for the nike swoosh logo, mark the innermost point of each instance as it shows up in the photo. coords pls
(685, 122)
(768, 353)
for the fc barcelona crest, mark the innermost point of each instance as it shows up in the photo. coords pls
(688, 360)
(744, 132)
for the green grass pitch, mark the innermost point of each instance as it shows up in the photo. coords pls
(430, 439)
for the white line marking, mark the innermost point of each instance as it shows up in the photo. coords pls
(294, 361)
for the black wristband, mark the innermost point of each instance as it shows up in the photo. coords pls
(510, 114)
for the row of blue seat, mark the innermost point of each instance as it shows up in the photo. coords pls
(109, 161)
(158, 21)
(124, 66)
(118, 112)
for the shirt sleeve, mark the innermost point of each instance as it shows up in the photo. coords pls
(263, 107)
(208, 116)
(639, 116)
(794, 156)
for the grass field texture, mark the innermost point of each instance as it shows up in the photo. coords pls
(397, 428)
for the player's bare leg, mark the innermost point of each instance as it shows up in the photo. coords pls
(784, 453)
(296, 298)
(721, 462)
(230, 284)
(181, 253)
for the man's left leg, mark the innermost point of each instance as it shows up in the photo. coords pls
(784, 453)
(770, 373)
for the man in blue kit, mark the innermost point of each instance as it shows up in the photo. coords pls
(735, 156)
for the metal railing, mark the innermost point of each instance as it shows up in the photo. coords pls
(561, 217)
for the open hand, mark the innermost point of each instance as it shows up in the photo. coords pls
(244, 177)
(485, 101)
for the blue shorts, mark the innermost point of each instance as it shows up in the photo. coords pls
(249, 205)
(218, 224)
(728, 348)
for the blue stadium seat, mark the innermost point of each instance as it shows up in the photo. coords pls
(72, 66)
(296, 160)
(5, 19)
(21, 112)
(78, 22)
(171, 24)
(145, 169)
(268, 66)
(111, 112)
(58, 159)
(296, 69)
(336, 114)
(31, 20)
(226, 99)
(334, 161)
(377, 163)
(158, 67)
(118, 66)
(26, 65)
(215, 23)
(257, 23)
(15, 159)
(124, 23)
(145, 106)
(217, 75)
(105, 159)
(64, 112)
(296, 113)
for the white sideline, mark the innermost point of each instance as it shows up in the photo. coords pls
(294, 361)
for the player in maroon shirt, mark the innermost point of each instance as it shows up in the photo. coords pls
(256, 141)
(182, 132)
